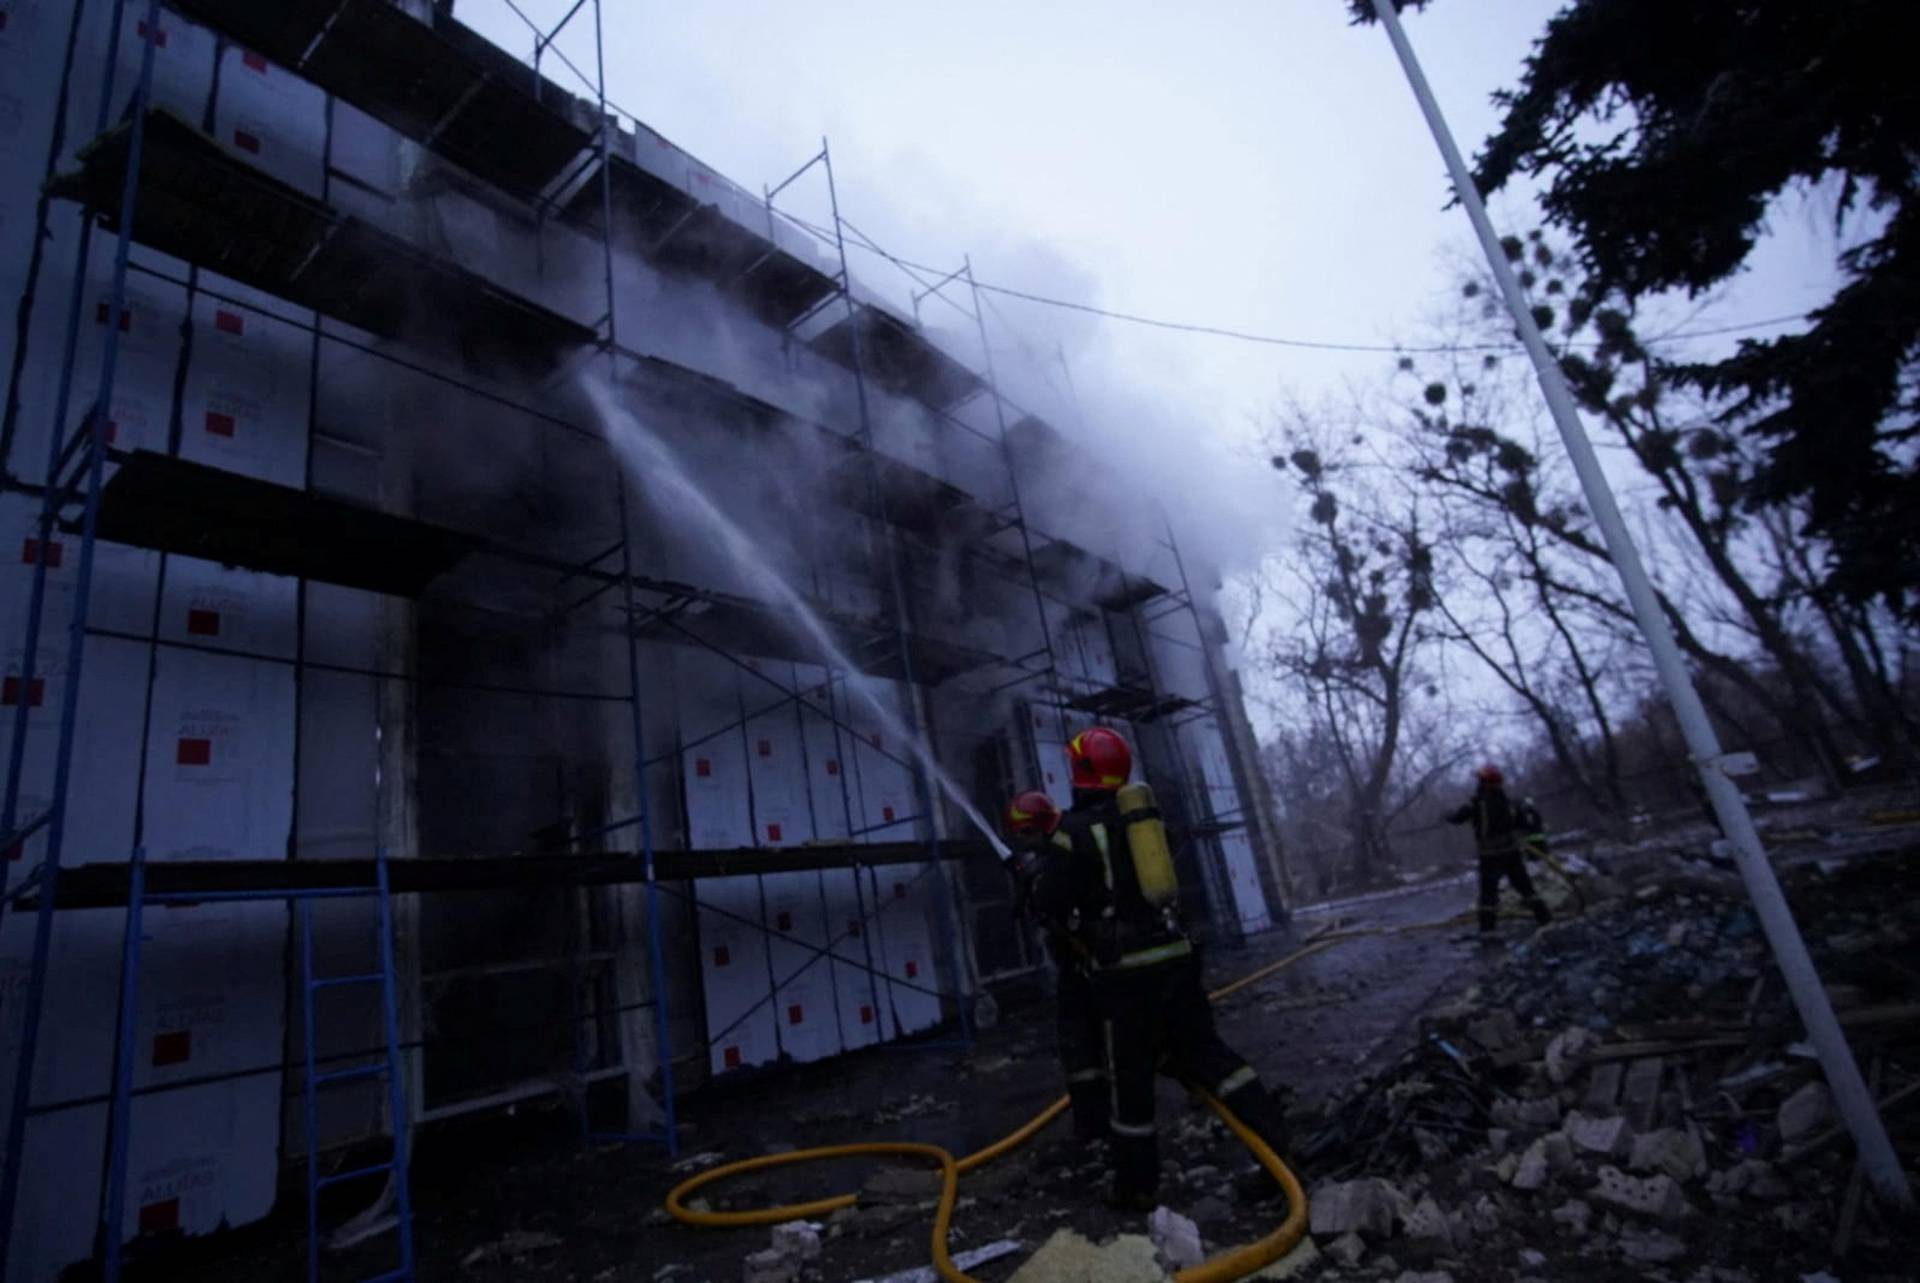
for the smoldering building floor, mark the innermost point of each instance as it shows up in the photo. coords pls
(1623, 1094)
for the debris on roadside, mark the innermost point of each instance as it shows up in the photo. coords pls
(1627, 1091)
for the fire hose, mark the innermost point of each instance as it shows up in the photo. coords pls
(1232, 1264)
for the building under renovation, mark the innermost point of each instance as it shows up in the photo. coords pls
(483, 582)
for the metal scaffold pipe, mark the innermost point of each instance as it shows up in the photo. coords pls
(1855, 1103)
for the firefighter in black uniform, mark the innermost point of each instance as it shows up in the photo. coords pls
(1031, 820)
(1108, 882)
(1498, 828)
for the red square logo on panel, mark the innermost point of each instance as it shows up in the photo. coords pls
(158, 1218)
(159, 35)
(783, 921)
(866, 1014)
(102, 310)
(10, 692)
(886, 813)
(833, 766)
(203, 623)
(254, 61)
(913, 969)
(220, 424)
(702, 767)
(721, 955)
(875, 738)
(172, 1048)
(793, 1014)
(765, 748)
(56, 552)
(229, 322)
(773, 832)
(193, 752)
(247, 142)
(730, 1058)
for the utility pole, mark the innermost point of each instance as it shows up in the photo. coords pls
(1855, 1102)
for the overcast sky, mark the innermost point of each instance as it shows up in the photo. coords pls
(1253, 164)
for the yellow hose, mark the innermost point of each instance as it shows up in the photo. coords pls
(1228, 1265)
(1233, 1264)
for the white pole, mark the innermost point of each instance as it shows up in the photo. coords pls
(1856, 1106)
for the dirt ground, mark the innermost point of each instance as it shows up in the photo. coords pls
(517, 1198)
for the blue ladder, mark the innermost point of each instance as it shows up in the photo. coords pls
(396, 1165)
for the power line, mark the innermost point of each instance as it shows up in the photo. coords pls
(867, 243)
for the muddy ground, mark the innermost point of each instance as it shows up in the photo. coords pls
(513, 1198)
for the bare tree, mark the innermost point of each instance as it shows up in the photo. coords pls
(1356, 589)
(1711, 540)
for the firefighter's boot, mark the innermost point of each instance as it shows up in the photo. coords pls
(1136, 1169)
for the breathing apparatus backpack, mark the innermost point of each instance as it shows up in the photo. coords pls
(1147, 845)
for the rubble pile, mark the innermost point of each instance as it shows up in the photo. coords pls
(1626, 1095)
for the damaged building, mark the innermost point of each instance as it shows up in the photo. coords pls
(476, 583)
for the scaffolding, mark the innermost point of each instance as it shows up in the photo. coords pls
(149, 177)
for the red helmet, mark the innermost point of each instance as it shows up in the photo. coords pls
(1489, 775)
(1100, 760)
(1032, 814)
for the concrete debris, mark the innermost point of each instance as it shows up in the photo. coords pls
(1348, 1249)
(1603, 1089)
(1532, 1259)
(1798, 1218)
(769, 1265)
(697, 1162)
(1069, 1258)
(1656, 1196)
(1652, 1247)
(1369, 1206)
(1423, 1276)
(1564, 1052)
(508, 1246)
(1804, 1112)
(912, 1107)
(1608, 1137)
(1640, 1092)
(1754, 1178)
(1531, 1172)
(1509, 1166)
(1559, 1151)
(1175, 1238)
(1576, 1214)
(1426, 1220)
(1669, 1150)
(798, 1239)
(1497, 1138)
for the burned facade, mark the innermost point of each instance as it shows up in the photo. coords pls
(440, 751)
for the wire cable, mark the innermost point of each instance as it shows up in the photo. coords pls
(867, 243)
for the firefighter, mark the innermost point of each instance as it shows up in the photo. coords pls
(1497, 833)
(1108, 881)
(1031, 821)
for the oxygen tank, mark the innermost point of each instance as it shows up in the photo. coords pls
(1147, 843)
